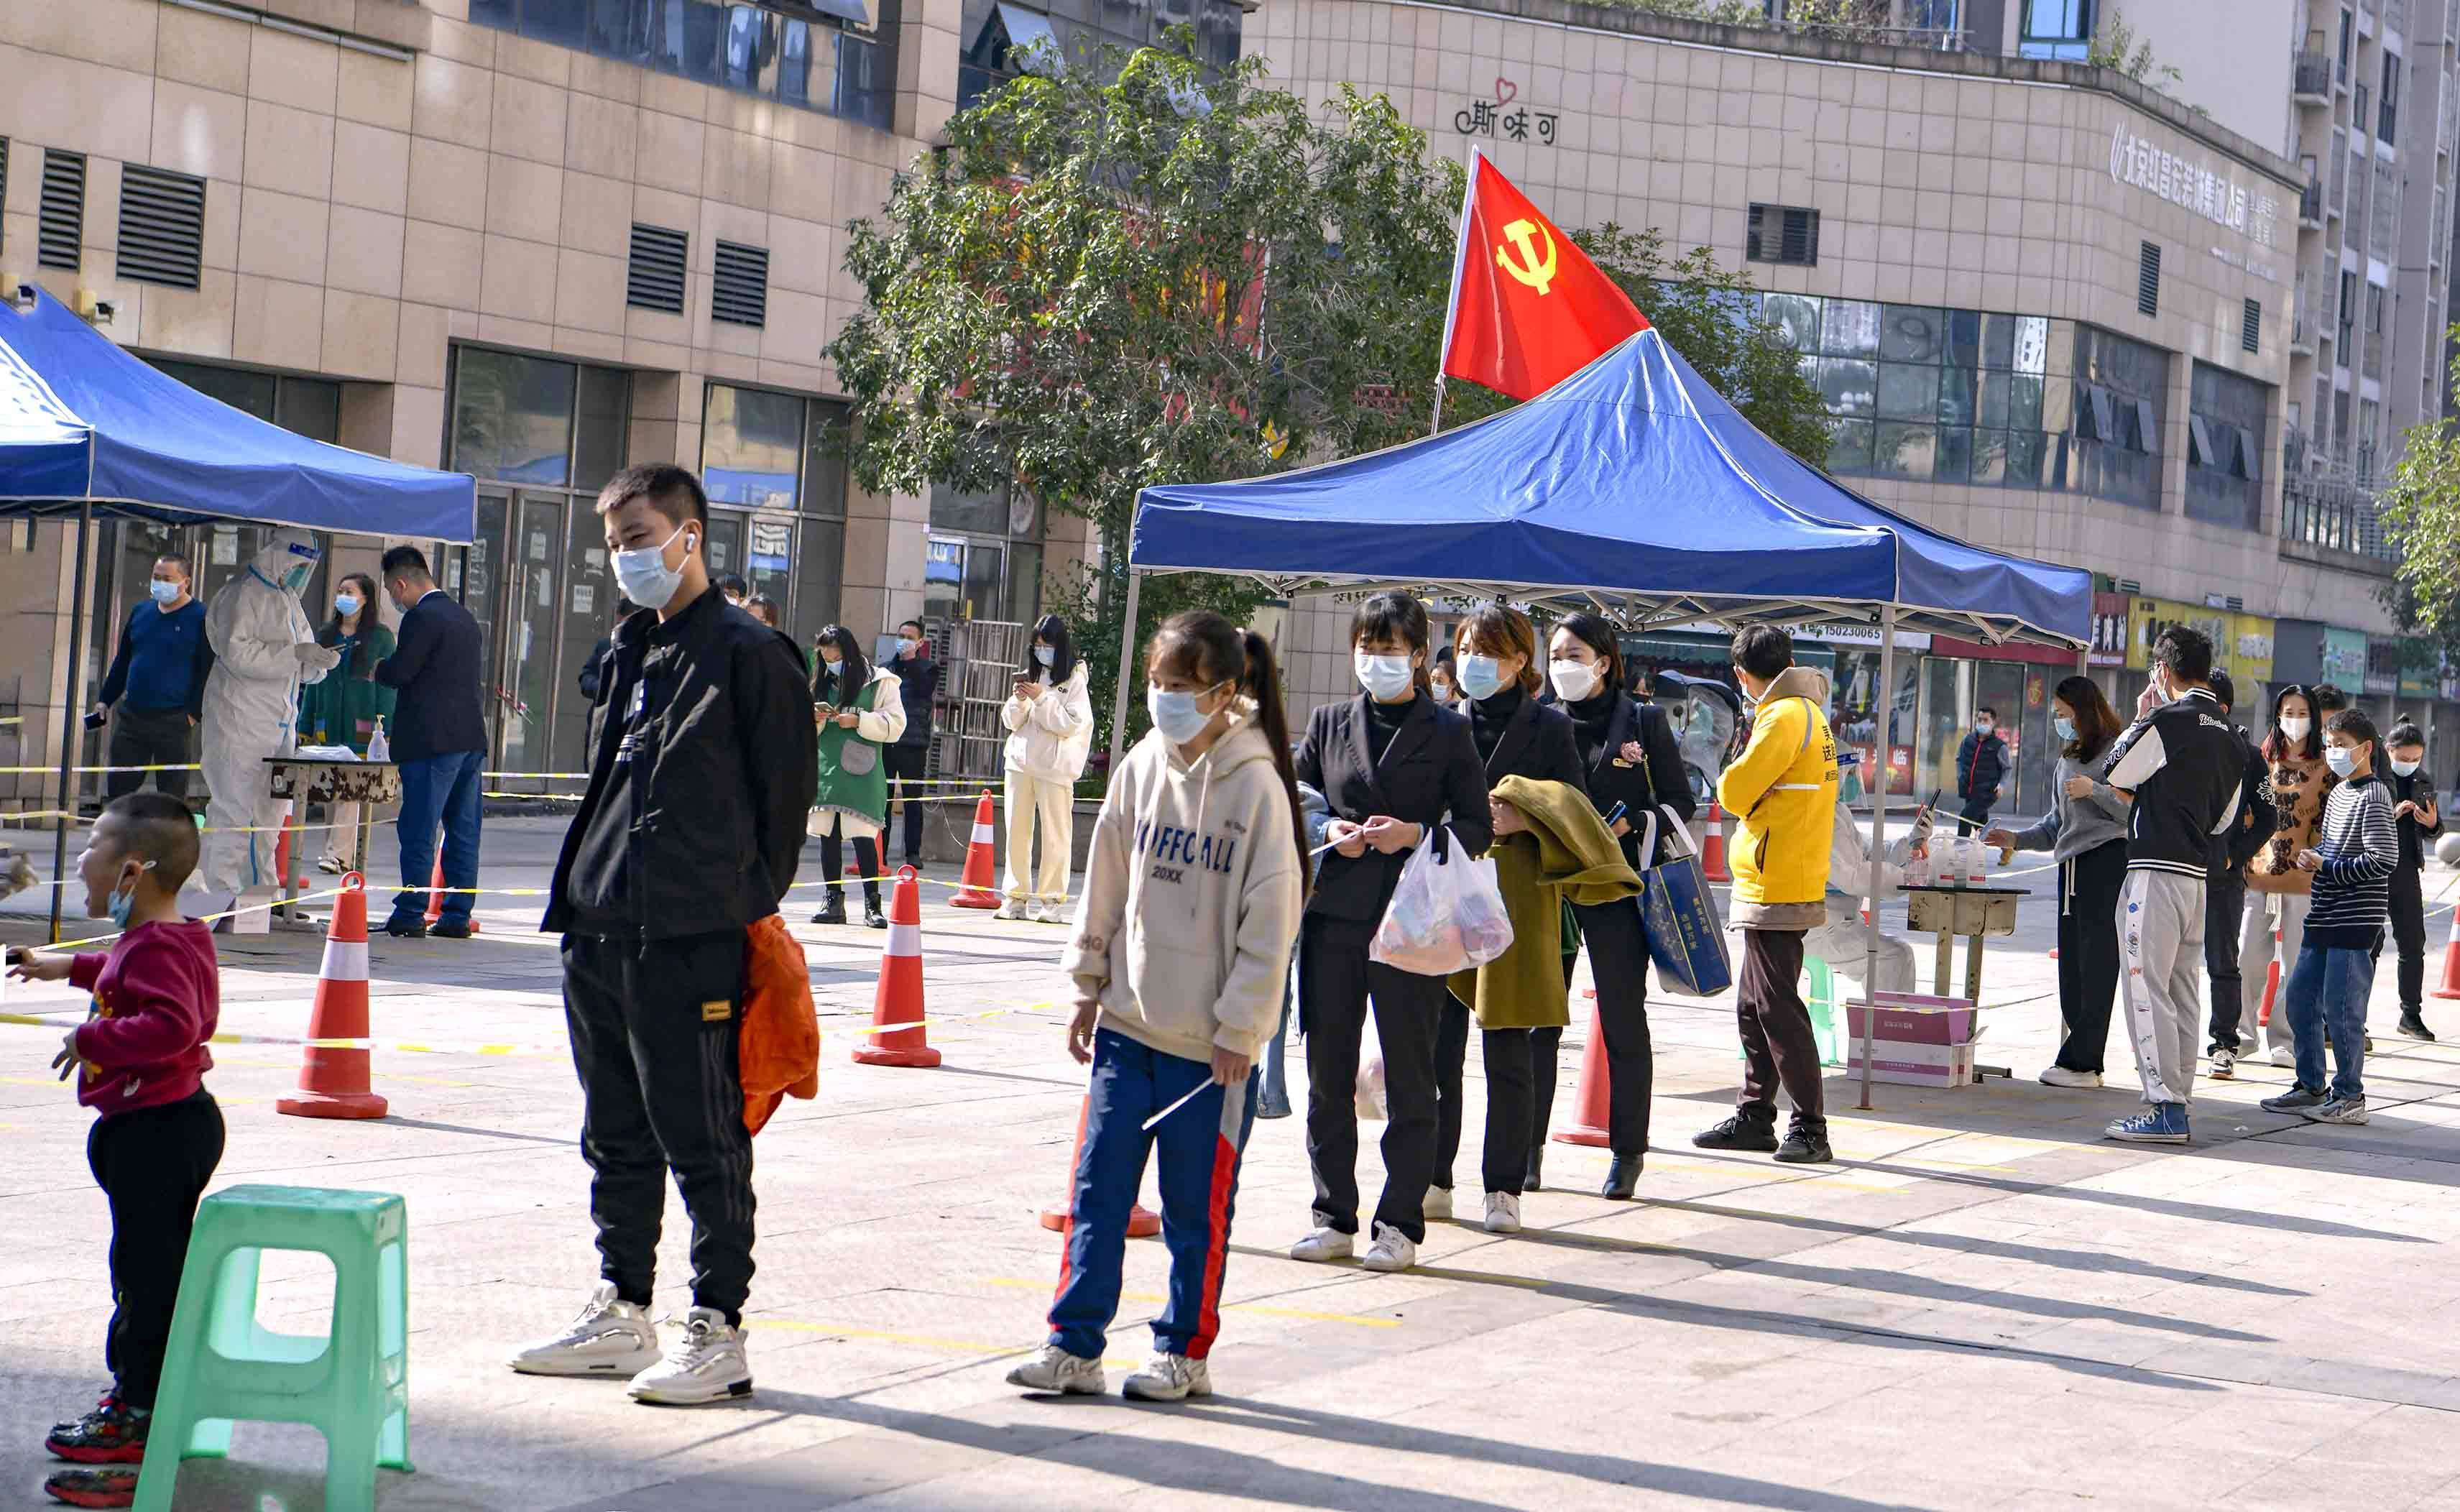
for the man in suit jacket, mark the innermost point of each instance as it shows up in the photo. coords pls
(439, 741)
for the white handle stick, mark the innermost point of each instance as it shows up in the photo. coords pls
(1175, 1106)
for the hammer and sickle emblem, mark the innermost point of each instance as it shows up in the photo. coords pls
(1532, 270)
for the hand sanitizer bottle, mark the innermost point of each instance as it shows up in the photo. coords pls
(379, 749)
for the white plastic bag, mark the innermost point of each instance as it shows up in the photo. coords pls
(1447, 914)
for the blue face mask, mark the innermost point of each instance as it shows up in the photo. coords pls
(1175, 714)
(123, 902)
(163, 593)
(2064, 727)
(1045, 654)
(643, 575)
(1482, 677)
(346, 604)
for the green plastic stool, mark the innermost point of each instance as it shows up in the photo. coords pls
(222, 1365)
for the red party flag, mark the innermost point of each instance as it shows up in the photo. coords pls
(1529, 309)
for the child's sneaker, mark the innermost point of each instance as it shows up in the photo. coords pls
(1054, 1372)
(112, 1433)
(93, 1488)
(1168, 1377)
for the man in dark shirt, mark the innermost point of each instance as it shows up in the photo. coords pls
(704, 760)
(1981, 766)
(158, 682)
(2418, 819)
(438, 739)
(917, 682)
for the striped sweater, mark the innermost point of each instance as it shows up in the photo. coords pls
(2360, 849)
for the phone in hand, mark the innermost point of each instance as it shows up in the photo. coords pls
(94, 719)
(1614, 815)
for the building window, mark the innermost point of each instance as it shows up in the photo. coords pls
(2388, 114)
(2224, 448)
(1783, 233)
(2341, 70)
(2362, 120)
(2057, 29)
(2347, 314)
(830, 55)
(1003, 38)
(777, 454)
(2112, 446)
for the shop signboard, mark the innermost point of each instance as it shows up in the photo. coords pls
(2149, 617)
(2250, 648)
(2344, 659)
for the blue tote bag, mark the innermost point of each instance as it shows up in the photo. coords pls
(1678, 913)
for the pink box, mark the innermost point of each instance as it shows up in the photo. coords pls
(1914, 1065)
(1955, 1022)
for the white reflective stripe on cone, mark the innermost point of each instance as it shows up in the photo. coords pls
(983, 834)
(905, 939)
(345, 961)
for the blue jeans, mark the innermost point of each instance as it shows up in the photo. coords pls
(2328, 989)
(1199, 1146)
(1273, 1099)
(440, 790)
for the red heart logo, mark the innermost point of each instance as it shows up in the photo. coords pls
(1505, 91)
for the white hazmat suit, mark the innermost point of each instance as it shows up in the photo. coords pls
(265, 651)
(1842, 940)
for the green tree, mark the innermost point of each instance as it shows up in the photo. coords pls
(1144, 275)
(2420, 511)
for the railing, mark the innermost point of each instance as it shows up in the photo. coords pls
(2312, 73)
(2335, 513)
(2310, 203)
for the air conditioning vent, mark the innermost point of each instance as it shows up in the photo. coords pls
(162, 227)
(655, 278)
(741, 293)
(2250, 330)
(60, 227)
(2129, 585)
(2148, 280)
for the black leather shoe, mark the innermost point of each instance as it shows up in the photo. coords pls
(871, 914)
(1622, 1178)
(410, 930)
(449, 930)
(1741, 1132)
(833, 912)
(1530, 1183)
(1806, 1143)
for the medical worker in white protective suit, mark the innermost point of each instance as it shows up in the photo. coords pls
(1840, 942)
(265, 651)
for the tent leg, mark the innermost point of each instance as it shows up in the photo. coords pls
(1127, 669)
(1884, 708)
(71, 724)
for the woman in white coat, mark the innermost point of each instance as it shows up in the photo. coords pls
(1050, 720)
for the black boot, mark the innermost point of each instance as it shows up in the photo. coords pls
(1531, 1183)
(871, 914)
(2412, 1022)
(1806, 1143)
(1622, 1178)
(1747, 1130)
(832, 911)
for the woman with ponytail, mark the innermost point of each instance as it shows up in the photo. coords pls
(1192, 903)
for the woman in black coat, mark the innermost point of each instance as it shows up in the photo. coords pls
(1391, 765)
(1629, 756)
(1497, 668)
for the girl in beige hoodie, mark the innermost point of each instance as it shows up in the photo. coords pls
(1192, 902)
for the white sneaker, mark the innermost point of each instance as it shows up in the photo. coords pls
(1437, 1203)
(1054, 1372)
(609, 1337)
(1502, 1213)
(2062, 1077)
(1392, 1250)
(2224, 1065)
(1324, 1243)
(1013, 909)
(1169, 1378)
(2285, 1057)
(706, 1363)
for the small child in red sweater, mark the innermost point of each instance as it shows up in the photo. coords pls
(140, 1061)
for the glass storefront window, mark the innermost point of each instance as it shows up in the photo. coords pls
(1798, 315)
(1910, 333)
(1849, 447)
(1904, 450)
(2224, 463)
(752, 447)
(1850, 388)
(747, 49)
(1907, 392)
(512, 417)
(1849, 328)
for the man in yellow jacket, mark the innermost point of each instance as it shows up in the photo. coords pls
(1783, 788)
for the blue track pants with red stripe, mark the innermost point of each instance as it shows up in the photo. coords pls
(1198, 1148)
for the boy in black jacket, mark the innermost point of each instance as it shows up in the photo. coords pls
(703, 761)
(2414, 808)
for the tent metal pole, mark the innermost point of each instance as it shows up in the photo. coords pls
(1436, 426)
(71, 725)
(1126, 668)
(1884, 706)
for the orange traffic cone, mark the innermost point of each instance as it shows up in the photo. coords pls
(333, 1083)
(1597, 1088)
(1143, 1222)
(900, 998)
(435, 895)
(281, 854)
(1712, 845)
(980, 863)
(2271, 982)
(2450, 986)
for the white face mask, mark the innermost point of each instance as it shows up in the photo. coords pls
(643, 575)
(2404, 768)
(1482, 677)
(1386, 677)
(2340, 759)
(1573, 681)
(1982, 726)
(2296, 729)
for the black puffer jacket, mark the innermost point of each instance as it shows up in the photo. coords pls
(703, 761)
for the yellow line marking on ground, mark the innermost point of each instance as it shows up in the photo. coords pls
(1260, 1308)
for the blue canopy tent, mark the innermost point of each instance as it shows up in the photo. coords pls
(1631, 488)
(85, 427)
